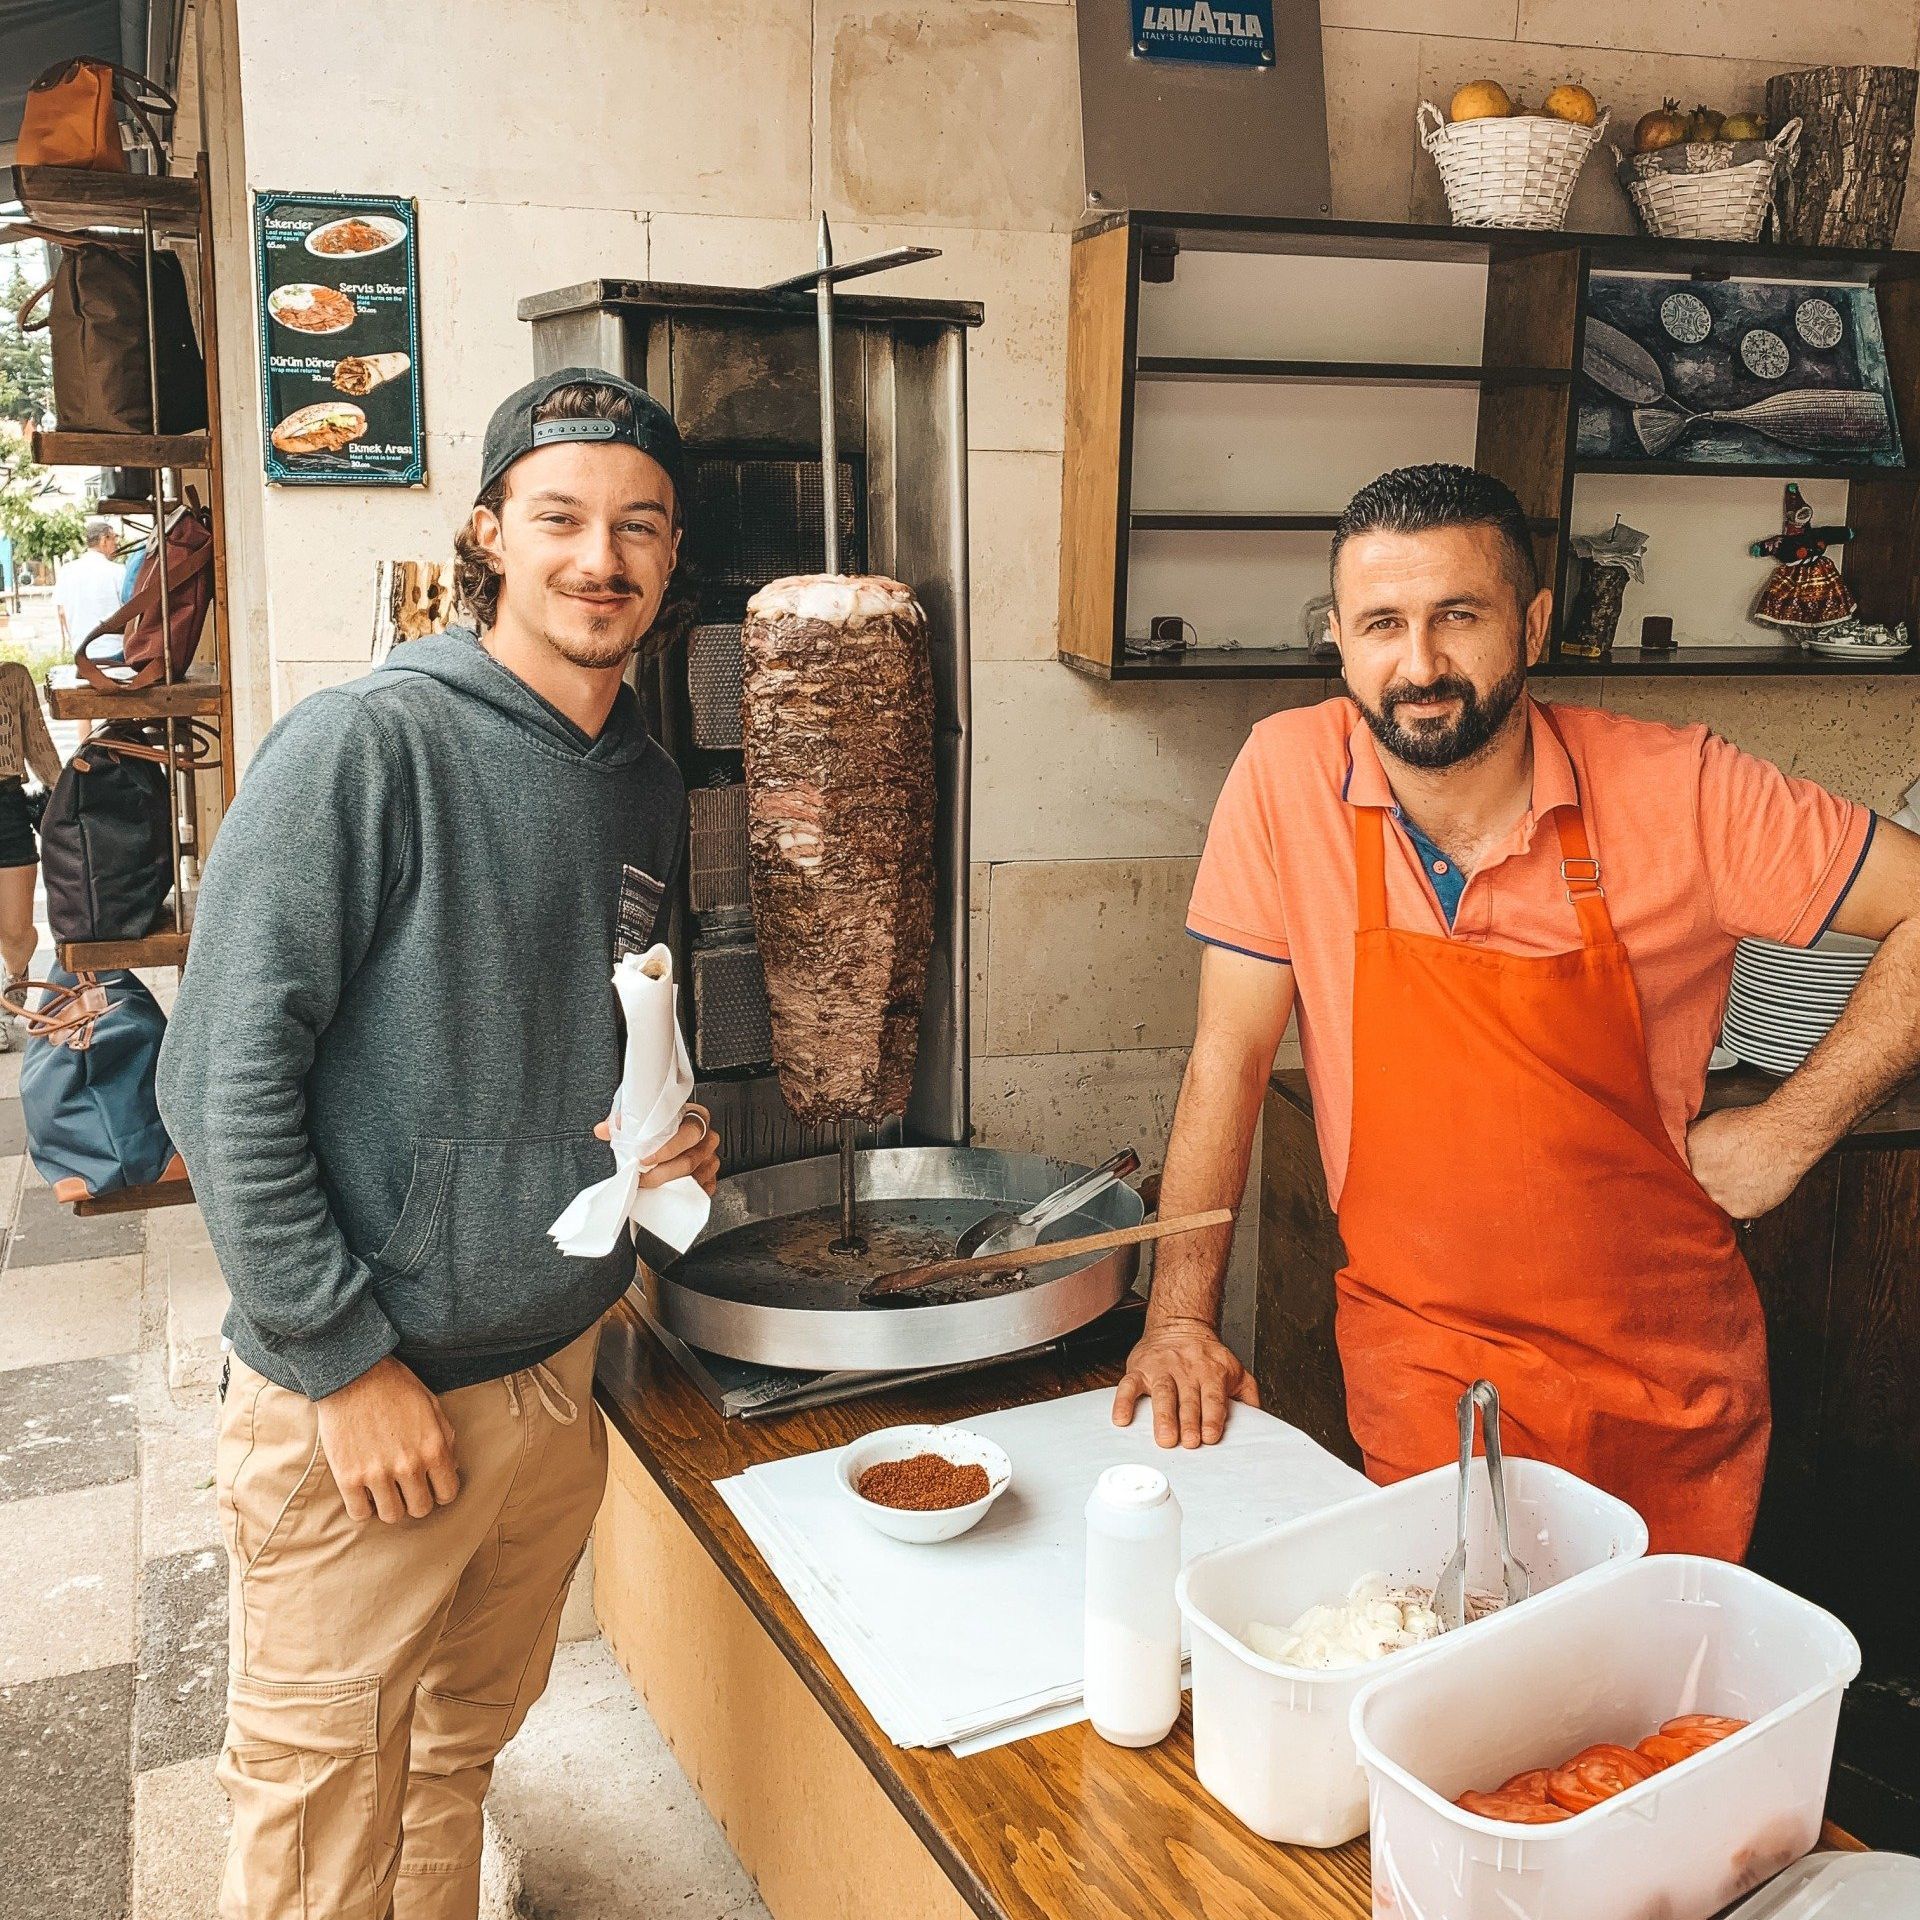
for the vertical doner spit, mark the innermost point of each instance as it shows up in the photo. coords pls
(838, 733)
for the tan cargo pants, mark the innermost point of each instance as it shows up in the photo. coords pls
(375, 1669)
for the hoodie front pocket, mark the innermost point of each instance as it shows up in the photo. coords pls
(412, 1236)
(485, 1274)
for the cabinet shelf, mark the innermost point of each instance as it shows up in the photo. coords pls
(77, 699)
(157, 1193)
(1323, 373)
(1513, 361)
(1229, 520)
(148, 450)
(77, 198)
(164, 946)
(1209, 520)
(1785, 468)
(1625, 663)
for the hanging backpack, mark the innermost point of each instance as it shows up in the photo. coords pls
(106, 850)
(87, 1083)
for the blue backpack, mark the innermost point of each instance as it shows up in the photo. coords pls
(86, 1083)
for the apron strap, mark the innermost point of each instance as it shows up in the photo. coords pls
(1579, 870)
(1370, 869)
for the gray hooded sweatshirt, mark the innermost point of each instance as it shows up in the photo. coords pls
(397, 1029)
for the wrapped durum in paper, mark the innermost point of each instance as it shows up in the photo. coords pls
(652, 1097)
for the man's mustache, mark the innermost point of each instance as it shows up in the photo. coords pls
(618, 584)
(1448, 687)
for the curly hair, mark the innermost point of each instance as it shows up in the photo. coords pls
(476, 576)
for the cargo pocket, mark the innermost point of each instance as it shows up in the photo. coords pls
(301, 1767)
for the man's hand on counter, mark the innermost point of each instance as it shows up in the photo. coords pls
(1745, 1160)
(1190, 1374)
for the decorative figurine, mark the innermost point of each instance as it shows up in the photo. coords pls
(1805, 591)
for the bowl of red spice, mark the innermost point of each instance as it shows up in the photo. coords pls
(924, 1483)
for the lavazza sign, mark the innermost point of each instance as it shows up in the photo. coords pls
(1226, 36)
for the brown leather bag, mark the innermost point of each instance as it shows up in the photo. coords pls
(189, 595)
(96, 315)
(69, 120)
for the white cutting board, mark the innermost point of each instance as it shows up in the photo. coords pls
(969, 1633)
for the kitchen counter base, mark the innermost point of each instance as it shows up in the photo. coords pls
(826, 1813)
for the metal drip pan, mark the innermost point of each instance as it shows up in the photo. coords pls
(763, 1284)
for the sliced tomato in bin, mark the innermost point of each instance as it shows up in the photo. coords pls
(1521, 1809)
(1700, 1730)
(1596, 1775)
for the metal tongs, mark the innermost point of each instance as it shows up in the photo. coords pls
(1003, 1230)
(1450, 1590)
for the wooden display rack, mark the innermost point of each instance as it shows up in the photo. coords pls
(156, 208)
(1527, 408)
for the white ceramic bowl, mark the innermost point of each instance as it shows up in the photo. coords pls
(924, 1526)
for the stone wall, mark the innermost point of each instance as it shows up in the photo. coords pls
(549, 142)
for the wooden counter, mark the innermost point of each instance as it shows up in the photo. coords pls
(1838, 1268)
(833, 1821)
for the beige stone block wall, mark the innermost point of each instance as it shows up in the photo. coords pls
(682, 142)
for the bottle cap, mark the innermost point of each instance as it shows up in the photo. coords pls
(1133, 1489)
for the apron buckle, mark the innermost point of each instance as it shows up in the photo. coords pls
(1581, 877)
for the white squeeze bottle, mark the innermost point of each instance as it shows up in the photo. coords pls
(1133, 1622)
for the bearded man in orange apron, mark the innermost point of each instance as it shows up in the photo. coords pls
(1508, 929)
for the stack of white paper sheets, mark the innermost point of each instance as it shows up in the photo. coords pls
(978, 1640)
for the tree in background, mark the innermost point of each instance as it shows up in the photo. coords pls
(26, 359)
(44, 530)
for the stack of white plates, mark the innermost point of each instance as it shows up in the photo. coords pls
(1784, 999)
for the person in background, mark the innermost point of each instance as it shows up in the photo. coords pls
(25, 747)
(384, 1071)
(88, 589)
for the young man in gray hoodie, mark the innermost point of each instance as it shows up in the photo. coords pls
(392, 1044)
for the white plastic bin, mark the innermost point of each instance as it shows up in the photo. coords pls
(1607, 1659)
(1270, 1742)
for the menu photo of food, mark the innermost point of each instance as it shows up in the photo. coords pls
(340, 339)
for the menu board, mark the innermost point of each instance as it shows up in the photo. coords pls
(339, 287)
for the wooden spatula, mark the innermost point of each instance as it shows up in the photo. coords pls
(898, 1289)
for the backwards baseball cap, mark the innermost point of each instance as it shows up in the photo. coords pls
(513, 430)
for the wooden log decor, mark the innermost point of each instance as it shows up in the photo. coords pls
(1846, 187)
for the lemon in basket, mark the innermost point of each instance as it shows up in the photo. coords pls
(1575, 103)
(1480, 100)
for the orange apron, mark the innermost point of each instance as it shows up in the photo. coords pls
(1515, 1209)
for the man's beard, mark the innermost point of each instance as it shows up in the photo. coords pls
(603, 644)
(1445, 743)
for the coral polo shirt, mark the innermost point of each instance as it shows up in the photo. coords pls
(1699, 845)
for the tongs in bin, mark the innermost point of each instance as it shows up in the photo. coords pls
(1450, 1590)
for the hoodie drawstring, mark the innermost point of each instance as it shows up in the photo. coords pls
(553, 1396)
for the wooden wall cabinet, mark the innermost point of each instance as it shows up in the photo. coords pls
(1838, 1269)
(1521, 374)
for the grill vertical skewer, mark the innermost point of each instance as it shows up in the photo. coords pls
(821, 281)
(850, 1241)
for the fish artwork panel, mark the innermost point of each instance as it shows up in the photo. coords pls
(1762, 373)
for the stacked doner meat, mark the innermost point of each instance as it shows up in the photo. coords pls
(837, 710)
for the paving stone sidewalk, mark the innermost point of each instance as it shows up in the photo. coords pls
(113, 1616)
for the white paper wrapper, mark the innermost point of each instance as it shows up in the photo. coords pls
(652, 1095)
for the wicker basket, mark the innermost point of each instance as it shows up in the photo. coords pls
(1512, 172)
(1708, 190)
